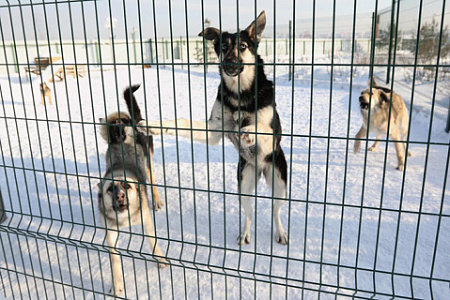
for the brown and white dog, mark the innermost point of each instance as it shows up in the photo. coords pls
(122, 196)
(376, 100)
(245, 112)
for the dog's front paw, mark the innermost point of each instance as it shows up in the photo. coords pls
(357, 147)
(373, 149)
(117, 289)
(282, 238)
(162, 263)
(247, 138)
(150, 127)
(244, 239)
(400, 167)
(157, 204)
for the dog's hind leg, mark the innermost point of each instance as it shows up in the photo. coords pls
(361, 134)
(276, 179)
(247, 183)
(399, 148)
(375, 145)
(116, 264)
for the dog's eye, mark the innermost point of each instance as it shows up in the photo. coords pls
(243, 46)
(127, 186)
(110, 189)
(224, 47)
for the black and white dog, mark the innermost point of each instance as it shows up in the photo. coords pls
(244, 109)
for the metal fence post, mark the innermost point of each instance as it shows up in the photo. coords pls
(2, 210)
(97, 52)
(447, 129)
(388, 71)
(150, 43)
(14, 54)
(290, 45)
(266, 49)
(133, 35)
(163, 44)
(180, 49)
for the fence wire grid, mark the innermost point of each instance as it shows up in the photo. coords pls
(357, 227)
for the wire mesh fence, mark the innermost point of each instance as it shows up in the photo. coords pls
(356, 226)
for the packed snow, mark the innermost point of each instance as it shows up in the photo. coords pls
(346, 233)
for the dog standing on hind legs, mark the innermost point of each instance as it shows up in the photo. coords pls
(239, 109)
(122, 193)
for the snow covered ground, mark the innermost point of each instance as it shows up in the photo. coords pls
(343, 219)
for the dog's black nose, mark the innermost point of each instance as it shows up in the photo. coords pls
(230, 61)
(119, 203)
(120, 197)
(231, 66)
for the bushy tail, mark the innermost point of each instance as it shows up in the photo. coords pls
(132, 105)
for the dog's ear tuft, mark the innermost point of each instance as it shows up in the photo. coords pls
(210, 34)
(257, 27)
(384, 97)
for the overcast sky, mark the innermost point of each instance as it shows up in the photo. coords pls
(62, 20)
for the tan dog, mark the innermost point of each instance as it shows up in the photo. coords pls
(45, 92)
(379, 117)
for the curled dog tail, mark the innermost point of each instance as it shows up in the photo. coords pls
(132, 105)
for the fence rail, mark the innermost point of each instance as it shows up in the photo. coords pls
(357, 227)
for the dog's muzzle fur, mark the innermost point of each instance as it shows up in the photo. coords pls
(232, 68)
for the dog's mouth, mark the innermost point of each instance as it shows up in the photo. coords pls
(233, 72)
(364, 105)
(120, 207)
(232, 68)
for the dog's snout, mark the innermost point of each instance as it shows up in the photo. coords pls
(231, 61)
(120, 204)
(120, 196)
(232, 66)
(363, 102)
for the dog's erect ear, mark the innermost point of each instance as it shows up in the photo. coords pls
(257, 27)
(210, 34)
(373, 82)
(384, 97)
